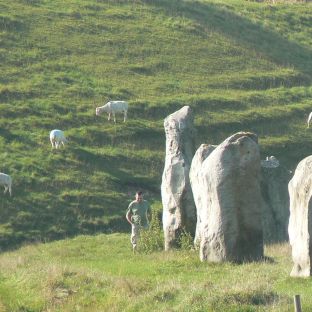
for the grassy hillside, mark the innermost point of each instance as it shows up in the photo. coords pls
(240, 65)
(100, 273)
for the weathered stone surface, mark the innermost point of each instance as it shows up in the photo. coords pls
(231, 201)
(196, 181)
(300, 221)
(274, 189)
(179, 212)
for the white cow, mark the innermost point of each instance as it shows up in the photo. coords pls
(6, 181)
(113, 107)
(57, 137)
(309, 119)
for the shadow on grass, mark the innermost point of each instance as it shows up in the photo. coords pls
(112, 166)
(14, 242)
(240, 299)
(8, 135)
(268, 260)
(63, 209)
(243, 31)
(28, 224)
(8, 23)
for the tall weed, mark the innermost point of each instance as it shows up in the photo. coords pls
(152, 239)
(186, 240)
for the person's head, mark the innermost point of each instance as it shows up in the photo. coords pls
(139, 196)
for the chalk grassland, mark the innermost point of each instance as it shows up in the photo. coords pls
(100, 273)
(240, 65)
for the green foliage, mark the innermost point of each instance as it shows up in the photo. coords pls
(152, 239)
(186, 240)
(240, 65)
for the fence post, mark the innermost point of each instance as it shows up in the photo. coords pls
(297, 303)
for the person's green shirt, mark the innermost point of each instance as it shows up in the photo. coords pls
(139, 211)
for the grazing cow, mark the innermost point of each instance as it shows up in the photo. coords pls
(113, 107)
(6, 181)
(309, 119)
(57, 137)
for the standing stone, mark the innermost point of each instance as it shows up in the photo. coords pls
(231, 217)
(274, 189)
(196, 181)
(179, 212)
(300, 221)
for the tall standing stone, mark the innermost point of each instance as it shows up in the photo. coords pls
(196, 181)
(179, 212)
(231, 219)
(300, 221)
(274, 189)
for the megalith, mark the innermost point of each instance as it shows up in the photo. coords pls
(196, 181)
(300, 220)
(274, 189)
(179, 212)
(231, 201)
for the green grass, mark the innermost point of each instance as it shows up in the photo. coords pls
(100, 273)
(240, 65)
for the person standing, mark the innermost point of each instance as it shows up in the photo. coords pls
(138, 215)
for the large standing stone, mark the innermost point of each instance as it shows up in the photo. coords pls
(179, 212)
(274, 189)
(196, 181)
(300, 221)
(231, 217)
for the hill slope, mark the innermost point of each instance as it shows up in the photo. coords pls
(240, 65)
